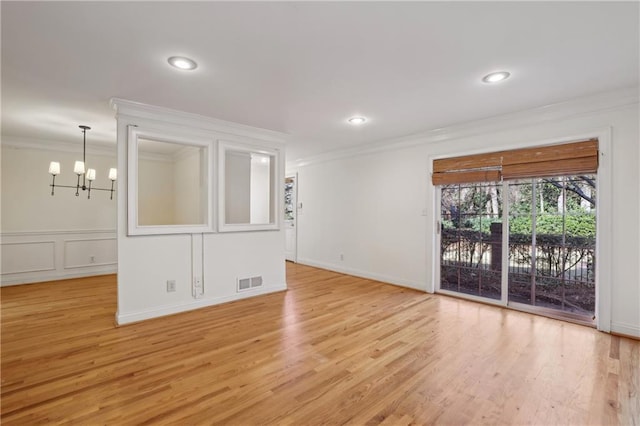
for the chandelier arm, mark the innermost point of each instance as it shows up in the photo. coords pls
(100, 189)
(92, 188)
(53, 184)
(78, 186)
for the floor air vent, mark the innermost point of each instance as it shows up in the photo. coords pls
(249, 283)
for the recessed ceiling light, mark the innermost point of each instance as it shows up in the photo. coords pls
(357, 120)
(182, 63)
(495, 77)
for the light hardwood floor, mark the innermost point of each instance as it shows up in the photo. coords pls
(332, 349)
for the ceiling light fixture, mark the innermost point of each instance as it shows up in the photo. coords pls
(495, 77)
(79, 169)
(357, 120)
(182, 63)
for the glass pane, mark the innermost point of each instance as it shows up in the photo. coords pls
(552, 243)
(249, 187)
(520, 240)
(172, 183)
(549, 252)
(289, 187)
(471, 239)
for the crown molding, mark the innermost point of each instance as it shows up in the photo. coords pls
(588, 105)
(73, 148)
(57, 146)
(151, 112)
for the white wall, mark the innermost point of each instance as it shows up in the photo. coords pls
(238, 180)
(376, 208)
(170, 188)
(369, 210)
(189, 186)
(260, 191)
(156, 192)
(27, 204)
(48, 237)
(146, 262)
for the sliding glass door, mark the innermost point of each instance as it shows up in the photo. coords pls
(550, 227)
(471, 239)
(552, 238)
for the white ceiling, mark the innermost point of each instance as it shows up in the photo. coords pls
(304, 68)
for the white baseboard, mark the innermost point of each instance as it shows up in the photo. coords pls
(625, 328)
(364, 274)
(129, 317)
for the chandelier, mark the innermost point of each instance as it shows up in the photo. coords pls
(88, 175)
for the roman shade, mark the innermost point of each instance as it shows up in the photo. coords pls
(551, 160)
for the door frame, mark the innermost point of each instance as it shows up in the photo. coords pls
(604, 222)
(293, 176)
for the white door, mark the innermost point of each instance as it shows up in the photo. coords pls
(290, 216)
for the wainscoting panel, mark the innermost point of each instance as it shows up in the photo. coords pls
(89, 252)
(29, 257)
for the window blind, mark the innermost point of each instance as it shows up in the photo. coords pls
(551, 160)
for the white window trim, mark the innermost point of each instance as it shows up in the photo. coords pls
(133, 134)
(223, 147)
